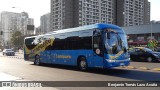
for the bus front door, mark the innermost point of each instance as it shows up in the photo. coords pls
(98, 49)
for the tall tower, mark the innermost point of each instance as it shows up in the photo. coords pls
(132, 12)
(74, 13)
(45, 23)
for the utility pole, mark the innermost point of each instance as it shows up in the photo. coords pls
(151, 31)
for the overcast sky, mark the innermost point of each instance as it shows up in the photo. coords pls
(37, 8)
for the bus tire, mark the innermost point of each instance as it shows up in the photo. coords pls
(37, 60)
(82, 64)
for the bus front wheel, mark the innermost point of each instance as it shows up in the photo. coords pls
(37, 60)
(82, 64)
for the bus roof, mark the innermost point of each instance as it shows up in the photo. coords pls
(99, 26)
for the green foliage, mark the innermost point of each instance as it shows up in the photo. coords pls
(152, 43)
(17, 39)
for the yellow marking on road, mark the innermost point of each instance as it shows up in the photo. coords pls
(141, 68)
(131, 67)
(156, 69)
(123, 66)
(144, 68)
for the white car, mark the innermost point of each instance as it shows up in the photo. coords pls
(8, 52)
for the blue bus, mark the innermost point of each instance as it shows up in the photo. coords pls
(98, 46)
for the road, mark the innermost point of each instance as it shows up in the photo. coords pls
(24, 70)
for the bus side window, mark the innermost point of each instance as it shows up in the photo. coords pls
(85, 39)
(72, 41)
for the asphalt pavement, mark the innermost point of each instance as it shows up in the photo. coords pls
(14, 68)
(150, 66)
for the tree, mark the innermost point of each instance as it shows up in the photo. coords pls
(17, 39)
(153, 44)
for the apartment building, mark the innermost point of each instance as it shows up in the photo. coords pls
(74, 13)
(132, 12)
(11, 22)
(45, 23)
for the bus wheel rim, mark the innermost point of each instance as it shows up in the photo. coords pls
(83, 64)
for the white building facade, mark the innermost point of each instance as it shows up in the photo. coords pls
(45, 23)
(11, 22)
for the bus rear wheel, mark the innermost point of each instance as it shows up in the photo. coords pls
(37, 60)
(82, 64)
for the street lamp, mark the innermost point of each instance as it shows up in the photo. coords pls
(19, 8)
(151, 30)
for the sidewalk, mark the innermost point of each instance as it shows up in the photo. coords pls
(7, 77)
(4, 77)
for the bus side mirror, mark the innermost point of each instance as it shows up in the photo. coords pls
(108, 35)
(125, 50)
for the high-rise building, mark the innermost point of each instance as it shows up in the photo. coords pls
(147, 7)
(23, 21)
(38, 30)
(8, 26)
(11, 22)
(132, 12)
(45, 23)
(74, 13)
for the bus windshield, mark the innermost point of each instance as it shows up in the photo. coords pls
(115, 43)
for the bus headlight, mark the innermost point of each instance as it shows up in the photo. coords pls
(111, 60)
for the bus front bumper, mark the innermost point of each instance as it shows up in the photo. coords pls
(116, 63)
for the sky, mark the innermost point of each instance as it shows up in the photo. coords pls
(155, 13)
(37, 8)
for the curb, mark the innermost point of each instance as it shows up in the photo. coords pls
(142, 68)
(156, 69)
(131, 67)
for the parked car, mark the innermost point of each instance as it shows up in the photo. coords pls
(144, 54)
(8, 52)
